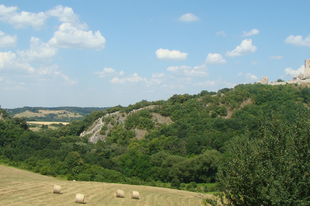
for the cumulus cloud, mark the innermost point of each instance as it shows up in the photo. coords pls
(7, 40)
(157, 78)
(188, 18)
(197, 71)
(52, 73)
(221, 33)
(254, 62)
(6, 58)
(292, 72)
(66, 15)
(298, 40)
(39, 51)
(251, 77)
(245, 47)
(174, 54)
(107, 72)
(215, 59)
(250, 33)
(10, 62)
(276, 57)
(69, 36)
(23, 19)
(135, 78)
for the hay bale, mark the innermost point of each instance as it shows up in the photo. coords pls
(57, 189)
(134, 195)
(119, 193)
(79, 198)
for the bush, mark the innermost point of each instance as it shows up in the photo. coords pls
(175, 183)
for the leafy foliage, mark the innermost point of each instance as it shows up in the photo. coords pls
(272, 169)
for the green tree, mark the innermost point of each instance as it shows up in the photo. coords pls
(272, 169)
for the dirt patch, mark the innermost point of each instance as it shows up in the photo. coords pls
(230, 111)
(161, 119)
(246, 102)
(140, 133)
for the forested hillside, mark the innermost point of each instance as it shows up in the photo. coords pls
(188, 150)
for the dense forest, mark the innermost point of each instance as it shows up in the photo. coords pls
(212, 135)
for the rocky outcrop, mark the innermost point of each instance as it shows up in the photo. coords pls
(119, 118)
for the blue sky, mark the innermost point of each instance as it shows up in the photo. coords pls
(107, 53)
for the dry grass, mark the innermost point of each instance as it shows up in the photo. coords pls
(46, 123)
(18, 187)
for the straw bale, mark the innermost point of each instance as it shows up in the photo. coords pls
(79, 198)
(134, 195)
(57, 189)
(119, 193)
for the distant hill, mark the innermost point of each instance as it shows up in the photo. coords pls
(58, 114)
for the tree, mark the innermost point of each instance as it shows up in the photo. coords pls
(272, 169)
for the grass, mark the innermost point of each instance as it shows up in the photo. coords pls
(19, 187)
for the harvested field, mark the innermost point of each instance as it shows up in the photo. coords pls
(47, 123)
(19, 187)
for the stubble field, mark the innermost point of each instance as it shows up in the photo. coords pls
(19, 187)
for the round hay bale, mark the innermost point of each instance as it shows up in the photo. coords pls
(119, 193)
(57, 189)
(134, 195)
(79, 198)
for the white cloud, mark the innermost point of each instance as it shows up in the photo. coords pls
(23, 19)
(240, 74)
(135, 78)
(254, 62)
(9, 62)
(7, 40)
(52, 73)
(251, 77)
(244, 48)
(218, 83)
(174, 54)
(291, 72)
(107, 72)
(157, 78)
(298, 40)
(206, 83)
(222, 33)
(276, 57)
(39, 51)
(250, 33)
(4, 11)
(197, 71)
(188, 17)
(215, 59)
(6, 59)
(66, 15)
(69, 36)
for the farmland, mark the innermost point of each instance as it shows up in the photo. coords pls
(18, 187)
